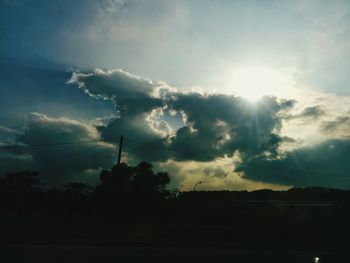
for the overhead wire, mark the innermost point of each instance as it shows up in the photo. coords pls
(203, 157)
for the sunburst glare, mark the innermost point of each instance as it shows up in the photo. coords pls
(255, 82)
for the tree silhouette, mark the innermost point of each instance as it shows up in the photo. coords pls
(20, 191)
(115, 183)
(126, 182)
(145, 183)
(79, 189)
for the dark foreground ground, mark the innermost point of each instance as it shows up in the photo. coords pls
(248, 231)
(57, 253)
(171, 243)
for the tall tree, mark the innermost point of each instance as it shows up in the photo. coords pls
(138, 182)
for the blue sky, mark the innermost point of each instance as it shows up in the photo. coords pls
(185, 42)
(296, 51)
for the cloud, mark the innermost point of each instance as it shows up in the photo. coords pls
(219, 125)
(339, 127)
(214, 125)
(59, 163)
(38, 85)
(217, 171)
(7, 135)
(214, 175)
(139, 107)
(131, 94)
(186, 131)
(325, 164)
(111, 7)
(313, 112)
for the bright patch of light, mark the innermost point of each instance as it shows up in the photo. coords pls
(254, 83)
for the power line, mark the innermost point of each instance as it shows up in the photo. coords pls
(15, 147)
(246, 164)
(164, 148)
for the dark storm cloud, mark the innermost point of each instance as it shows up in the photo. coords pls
(10, 162)
(7, 135)
(135, 100)
(325, 164)
(214, 125)
(56, 163)
(219, 125)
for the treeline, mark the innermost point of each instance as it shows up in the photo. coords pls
(137, 193)
(308, 194)
(122, 190)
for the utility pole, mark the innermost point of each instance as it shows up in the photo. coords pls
(120, 149)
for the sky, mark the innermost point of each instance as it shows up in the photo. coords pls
(240, 95)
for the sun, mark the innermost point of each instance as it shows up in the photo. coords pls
(256, 82)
